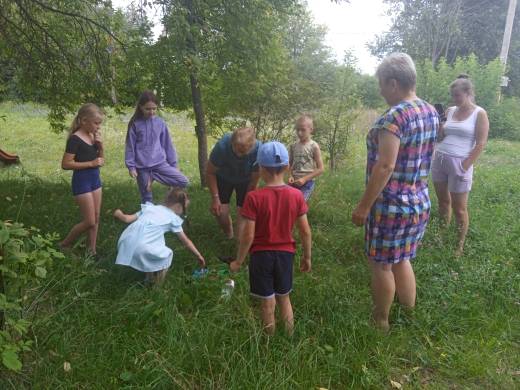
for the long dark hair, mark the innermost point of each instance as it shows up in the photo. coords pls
(145, 97)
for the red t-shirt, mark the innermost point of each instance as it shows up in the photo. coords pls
(274, 210)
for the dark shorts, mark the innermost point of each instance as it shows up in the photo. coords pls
(270, 273)
(225, 190)
(85, 180)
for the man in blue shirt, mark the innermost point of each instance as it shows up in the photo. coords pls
(232, 167)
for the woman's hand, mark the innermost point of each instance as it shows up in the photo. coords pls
(360, 215)
(98, 162)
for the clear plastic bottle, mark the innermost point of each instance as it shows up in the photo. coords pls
(227, 290)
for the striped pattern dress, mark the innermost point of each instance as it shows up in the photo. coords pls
(399, 216)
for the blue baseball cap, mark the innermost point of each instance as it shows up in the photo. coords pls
(272, 155)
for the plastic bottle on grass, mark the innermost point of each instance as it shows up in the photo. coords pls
(227, 290)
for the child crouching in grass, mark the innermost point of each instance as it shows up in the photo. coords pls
(270, 214)
(142, 246)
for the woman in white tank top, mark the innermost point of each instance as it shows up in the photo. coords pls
(461, 141)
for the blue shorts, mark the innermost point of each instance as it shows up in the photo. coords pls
(85, 180)
(307, 189)
(270, 273)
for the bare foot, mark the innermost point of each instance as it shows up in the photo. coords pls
(459, 252)
(118, 214)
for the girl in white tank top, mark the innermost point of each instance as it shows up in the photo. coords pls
(459, 136)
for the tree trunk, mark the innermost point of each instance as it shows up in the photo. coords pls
(196, 97)
(200, 128)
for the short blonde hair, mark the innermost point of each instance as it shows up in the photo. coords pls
(243, 136)
(400, 67)
(305, 118)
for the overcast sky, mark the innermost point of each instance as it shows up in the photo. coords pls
(350, 26)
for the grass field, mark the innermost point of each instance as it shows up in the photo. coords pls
(464, 333)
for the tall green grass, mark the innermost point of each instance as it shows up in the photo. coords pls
(114, 333)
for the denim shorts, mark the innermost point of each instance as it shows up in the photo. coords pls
(85, 180)
(270, 273)
(446, 168)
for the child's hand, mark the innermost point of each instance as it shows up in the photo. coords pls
(234, 266)
(202, 262)
(133, 173)
(98, 162)
(290, 180)
(300, 182)
(97, 137)
(305, 265)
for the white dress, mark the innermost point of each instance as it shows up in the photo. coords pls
(142, 246)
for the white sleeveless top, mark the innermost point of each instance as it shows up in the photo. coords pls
(459, 136)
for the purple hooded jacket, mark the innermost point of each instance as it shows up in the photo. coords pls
(148, 144)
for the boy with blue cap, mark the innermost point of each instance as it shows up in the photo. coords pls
(270, 214)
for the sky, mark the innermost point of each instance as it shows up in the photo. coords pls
(350, 26)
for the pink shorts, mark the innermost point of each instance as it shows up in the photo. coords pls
(446, 168)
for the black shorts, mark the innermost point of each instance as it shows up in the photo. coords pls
(270, 273)
(225, 190)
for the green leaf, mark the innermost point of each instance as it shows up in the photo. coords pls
(11, 361)
(125, 376)
(40, 272)
(4, 236)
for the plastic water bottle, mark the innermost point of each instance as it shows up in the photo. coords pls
(200, 273)
(227, 290)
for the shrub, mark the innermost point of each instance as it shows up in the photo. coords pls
(504, 120)
(25, 256)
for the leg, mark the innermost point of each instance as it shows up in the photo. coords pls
(444, 198)
(87, 209)
(460, 209)
(93, 231)
(168, 175)
(286, 312)
(383, 291)
(239, 224)
(405, 283)
(143, 182)
(267, 312)
(160, 276)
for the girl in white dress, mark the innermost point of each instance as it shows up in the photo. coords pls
(142, 246)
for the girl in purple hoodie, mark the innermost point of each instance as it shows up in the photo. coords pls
(149, 152)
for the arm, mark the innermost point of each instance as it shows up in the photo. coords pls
(130, 150)
(211, 180)
(290, 180)
(68, 163)
(381, 173)
(481, 135)
(319, 167)
(253, 182)
(189, 244)
(126, 218)
(245, 241)
(167, 144)
(306, 239)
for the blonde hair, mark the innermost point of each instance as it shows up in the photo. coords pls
(464, 84)
(176, 195)
(400, 67)
(87, 110)
(305, 118)
(243, 136)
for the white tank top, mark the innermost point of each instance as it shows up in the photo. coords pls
(459, 136)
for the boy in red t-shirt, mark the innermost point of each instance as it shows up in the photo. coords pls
(270, 214)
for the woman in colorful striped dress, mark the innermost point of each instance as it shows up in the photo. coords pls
(395, 207)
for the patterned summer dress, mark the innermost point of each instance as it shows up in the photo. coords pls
(399, 216)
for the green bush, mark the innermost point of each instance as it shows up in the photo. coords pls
(504, 120)
(25, 256)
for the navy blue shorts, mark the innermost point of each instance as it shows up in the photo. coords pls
(226, 188)
(270, 273)
(85, 180)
